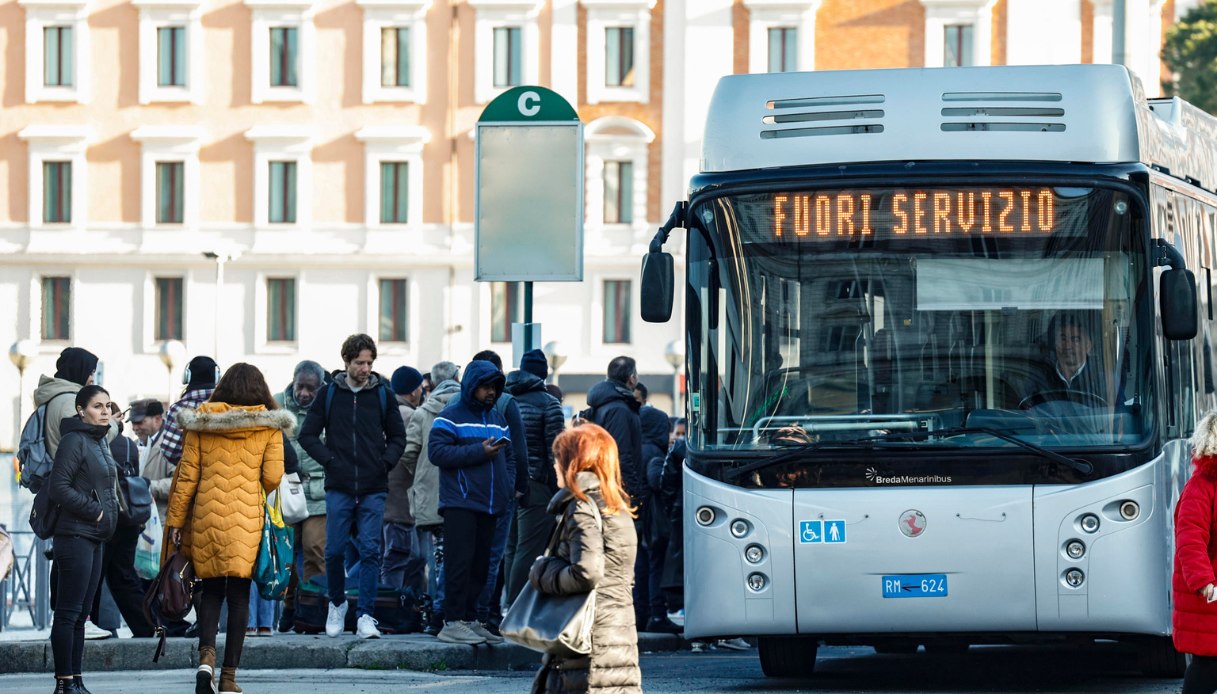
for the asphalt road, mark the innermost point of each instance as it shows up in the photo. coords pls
(987, 669)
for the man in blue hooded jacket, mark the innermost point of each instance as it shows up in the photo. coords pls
(470, 443)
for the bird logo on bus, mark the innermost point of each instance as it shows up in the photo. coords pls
(912, 523)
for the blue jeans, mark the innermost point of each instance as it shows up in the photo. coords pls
(431, 547)
(261, 611)
(502, 525)
(366, 513)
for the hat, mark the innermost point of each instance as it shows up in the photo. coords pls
(535, 363)
(146, 408)
(76, 365)
(406, 380)
(201, 372)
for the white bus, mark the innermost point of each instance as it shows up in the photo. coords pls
(948, 332)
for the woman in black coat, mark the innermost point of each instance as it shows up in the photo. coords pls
(83, 483)
(596, 548)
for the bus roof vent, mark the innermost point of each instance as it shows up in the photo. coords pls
(854, 114)
(1003, 112)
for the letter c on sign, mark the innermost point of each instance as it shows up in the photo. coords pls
(529, 103)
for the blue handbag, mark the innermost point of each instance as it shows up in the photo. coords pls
(272, 570)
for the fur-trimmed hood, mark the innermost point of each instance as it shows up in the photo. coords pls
(222, 418)
(1204, 445)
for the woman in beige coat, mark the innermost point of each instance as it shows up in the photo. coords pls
(233, 453)
(596, 549)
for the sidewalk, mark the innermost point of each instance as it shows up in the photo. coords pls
(287, 651)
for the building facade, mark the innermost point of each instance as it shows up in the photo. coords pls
(258, 179)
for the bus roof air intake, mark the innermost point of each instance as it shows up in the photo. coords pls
(827, 115)
(1002, 112)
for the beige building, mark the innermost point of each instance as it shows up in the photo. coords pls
(259, 178)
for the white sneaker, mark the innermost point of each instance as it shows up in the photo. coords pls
(336, 620)
(734, 644)
(365, 628)
(96, 633)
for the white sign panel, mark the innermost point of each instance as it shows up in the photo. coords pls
(529, 205)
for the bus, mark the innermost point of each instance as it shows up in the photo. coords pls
(948, 332)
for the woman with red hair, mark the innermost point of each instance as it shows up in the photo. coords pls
(595, 551)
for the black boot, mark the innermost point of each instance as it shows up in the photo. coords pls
(80, 685)
(287, 620)
(66, 686)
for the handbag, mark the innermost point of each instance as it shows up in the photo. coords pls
(171, 595)
(559, 625)
(134, 496)
(148, 546)
(290, 495)
(272, 569)
(44, 515)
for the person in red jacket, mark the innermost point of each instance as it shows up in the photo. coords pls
(1195, 579)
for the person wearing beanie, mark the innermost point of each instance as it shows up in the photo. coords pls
(1194, 584)
(543, 421)
(401, 563)
(200, 378)
(535, 363)
(73, 370)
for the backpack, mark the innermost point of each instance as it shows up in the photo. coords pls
(32, 451)
(329, 398)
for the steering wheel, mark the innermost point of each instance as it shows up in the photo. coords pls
(1078, 396)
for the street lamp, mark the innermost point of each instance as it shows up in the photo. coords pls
(555, 354)
(172, 353)
(22, 353)
(221, 258)
(674, 354)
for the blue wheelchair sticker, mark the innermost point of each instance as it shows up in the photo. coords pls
(811, 531)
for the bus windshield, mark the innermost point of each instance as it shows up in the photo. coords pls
(856, 314)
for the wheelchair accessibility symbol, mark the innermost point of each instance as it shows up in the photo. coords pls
(822, 531)
(811, 531)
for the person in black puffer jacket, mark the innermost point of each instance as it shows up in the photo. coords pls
(83, 483)
(656, 429)
(543, 421)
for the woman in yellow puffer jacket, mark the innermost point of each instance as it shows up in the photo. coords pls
(233, 453)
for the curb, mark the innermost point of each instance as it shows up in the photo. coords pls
(291, 651)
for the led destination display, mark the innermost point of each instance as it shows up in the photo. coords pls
(897, 213)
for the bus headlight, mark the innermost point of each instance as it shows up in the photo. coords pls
(757, 582)
(754, 554)
(1089, 523)
(1075, 549)
(740, 528)
(1074, 578)
(1129, 510)
(705, 515)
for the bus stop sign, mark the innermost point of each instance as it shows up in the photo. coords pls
(528, 204)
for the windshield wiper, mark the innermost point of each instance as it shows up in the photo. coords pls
(1076, 464)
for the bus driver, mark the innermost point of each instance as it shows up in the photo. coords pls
(1070, 373)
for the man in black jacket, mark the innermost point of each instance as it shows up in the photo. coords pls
(612, 405)
(364, 438)
(543, 421)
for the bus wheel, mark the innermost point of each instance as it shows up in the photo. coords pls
(787, 656)
(1159, 659)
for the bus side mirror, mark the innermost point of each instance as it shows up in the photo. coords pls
(1177, 301)
(657, 287)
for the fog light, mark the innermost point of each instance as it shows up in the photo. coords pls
(1089, 523)
(754, 554)
(1129, 510)
(1074, 578)
(739, 528)
(705, 515)
(1075, 549)
(756, 582)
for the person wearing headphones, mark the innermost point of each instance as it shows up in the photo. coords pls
(200, 378)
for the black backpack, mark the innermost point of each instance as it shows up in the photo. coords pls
(134, 495)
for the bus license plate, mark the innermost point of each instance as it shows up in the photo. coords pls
(915, 586)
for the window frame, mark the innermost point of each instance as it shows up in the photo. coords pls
(965, 58)
(624, 181)
(407, 313)
(389, 14)
(44, 14)
(169, 144)
(603, 15)
(514, 297)
(616, 139)
(500, 13)
(264, 322)
(389, 144)
(155, 333)
(627, 316)
(70, 285)
(52, 143)
(764, 15)
(159, 14)
(270, 14)
(291, 143)
(940, 13)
